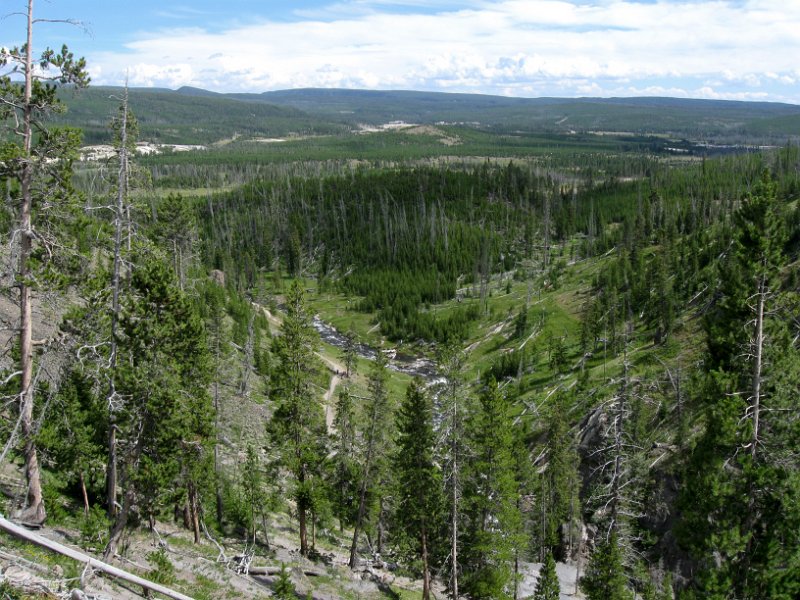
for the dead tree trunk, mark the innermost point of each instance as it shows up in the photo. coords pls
(34, 512)
(757, 366)
(80, 557)
(119, 217)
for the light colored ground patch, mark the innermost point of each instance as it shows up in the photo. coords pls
(444, 138)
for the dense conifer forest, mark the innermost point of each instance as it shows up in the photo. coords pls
(568, 368)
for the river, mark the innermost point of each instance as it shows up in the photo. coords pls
(416, 366)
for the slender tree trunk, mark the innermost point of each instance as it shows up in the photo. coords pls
(34, 512)
(426, 575)
(301, 518)
(454, 507)
(579, 563)
(379, 547)
(194, 510)
(111, 470)
(516, 561)
(362, 507)
(264, 527)
(313, 530)
(119, 524)
(301, 515)
(119, 217)
(757, 367)
(217, 486)
(84, 494)
(362, 501)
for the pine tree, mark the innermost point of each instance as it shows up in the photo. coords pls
(124, 127)
(605, 578)
(349, 353)
(738, 519)
(73, 437)
(345, 476)
(547, 586)
(212, 303)
(298, 424)
(493, 521)
(255, 499)
(560, 480)
(377, 439)
(453, 450)
(417, 479)
(284, 587)
(166, 424)
(175, 229)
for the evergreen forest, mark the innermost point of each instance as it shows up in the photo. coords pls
(441, 361)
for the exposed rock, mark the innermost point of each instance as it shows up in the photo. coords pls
(217, 276)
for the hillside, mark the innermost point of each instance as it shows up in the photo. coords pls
(191, 115)
(702, 119)
(372, 356)
(171, 117)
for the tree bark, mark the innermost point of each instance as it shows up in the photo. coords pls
(303, 533)
(84, 495)
(194, 508)
(454, 507)
(757, 366)
(122, 188)
(217, 487)
(362, 504)
(34, 511)
(301, 517)
(426, 575)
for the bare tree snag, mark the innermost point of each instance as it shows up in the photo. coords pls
(34, 512)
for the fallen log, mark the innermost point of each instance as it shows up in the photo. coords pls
(276, 570)
(98, 565)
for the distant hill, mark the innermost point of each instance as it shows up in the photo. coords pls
(188, 116)
(193, 115)
(679, 116)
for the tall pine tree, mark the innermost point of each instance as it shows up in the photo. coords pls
(298, 424)
(418, 500)
(740, 516)
(492, 519)
(376, 442)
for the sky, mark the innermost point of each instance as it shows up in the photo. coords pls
(719, 49)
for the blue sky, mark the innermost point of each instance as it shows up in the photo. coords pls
(727, 49)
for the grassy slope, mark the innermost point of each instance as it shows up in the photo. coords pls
(552, 312)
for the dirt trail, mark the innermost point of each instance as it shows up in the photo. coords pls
(335, 367)
(330, 407)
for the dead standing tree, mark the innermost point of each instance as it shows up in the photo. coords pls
(618, 469)
(452, 447)
(41, 168)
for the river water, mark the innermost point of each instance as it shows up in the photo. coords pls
(416, 366)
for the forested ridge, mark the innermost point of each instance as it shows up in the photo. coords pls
(614, 341)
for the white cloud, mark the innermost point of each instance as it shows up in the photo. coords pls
(527, 46)
(712, 94)
(172, 75)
